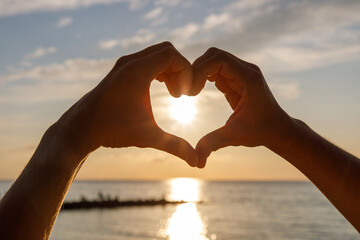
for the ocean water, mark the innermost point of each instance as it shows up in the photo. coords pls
(228, 210)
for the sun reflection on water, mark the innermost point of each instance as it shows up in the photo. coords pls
(185, 222)
(185, 189)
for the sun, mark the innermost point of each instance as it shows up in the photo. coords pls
(183, 109)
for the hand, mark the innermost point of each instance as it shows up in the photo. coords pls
(257, 118)
(117, 113)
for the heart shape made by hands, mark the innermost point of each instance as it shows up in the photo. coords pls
(122, 115)
(189, 117)
(256, 113)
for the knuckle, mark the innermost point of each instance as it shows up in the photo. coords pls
(166, 44)
(256, 78)
(255, 67)
(129, 70)
(223, 56)
(212, 50)
(171, 49)
(121, 61)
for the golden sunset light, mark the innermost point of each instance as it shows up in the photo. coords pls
(183, 109)
(184, 189)
(179, 119)
(186, 221)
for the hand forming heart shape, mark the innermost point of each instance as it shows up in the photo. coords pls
(118, 113)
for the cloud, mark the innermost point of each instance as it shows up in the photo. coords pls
(294, 59)
(136, 4)
(64, 22)
(40, 52)
(182, 34)
(58, 81)
(108, 44)
(26, 63)
(142, 37)
(213, 20)
(170, 3)
(156, 16)
(246, 5)
(154, 13)
(286, 90)
(283, 36)
(78, 69)
(15, 7)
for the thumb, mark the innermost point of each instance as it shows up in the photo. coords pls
(213, 141)
(175, 146)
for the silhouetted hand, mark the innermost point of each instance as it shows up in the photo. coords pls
(117, 113)
(257, 118)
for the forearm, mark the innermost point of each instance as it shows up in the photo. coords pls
(31, 205)
(335, 172)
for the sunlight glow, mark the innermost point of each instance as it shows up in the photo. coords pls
(183, 109)
(185, 189)
(185, 222)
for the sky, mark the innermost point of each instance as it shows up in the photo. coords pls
(53, 52)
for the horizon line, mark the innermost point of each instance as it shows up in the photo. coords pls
(166, 179)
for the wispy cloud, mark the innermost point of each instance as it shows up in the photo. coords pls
(108, 44)
(171, 3)
(64, 22)
(294, 59)
(57, 81)
(246, 5)
(274, 33)
(154, 13)
(182, 34)
(213, 21)
(285, 90)
(78, 69)
(40, 52)
(14, 7)
(141, 38)
(157, 16)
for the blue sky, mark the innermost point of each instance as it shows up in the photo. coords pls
(52, 52)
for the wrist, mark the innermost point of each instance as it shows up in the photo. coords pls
(62, 147)
(286, 129)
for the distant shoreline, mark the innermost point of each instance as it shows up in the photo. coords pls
(165, 180)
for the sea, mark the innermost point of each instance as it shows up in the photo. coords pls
(214, 210)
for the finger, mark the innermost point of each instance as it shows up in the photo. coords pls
(199, 84)
(213, 141)
(213, 50)
(171, 83)
(225, 63)
(220, 63)
(221, 83)
(173, 87)
(171, 66)
(124, 59)
(175, 146)
(209, 53)
(233, 99)
(231, 96)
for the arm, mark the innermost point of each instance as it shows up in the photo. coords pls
(335, 172)
(29, 208)
(116, 113)
(258, 120)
